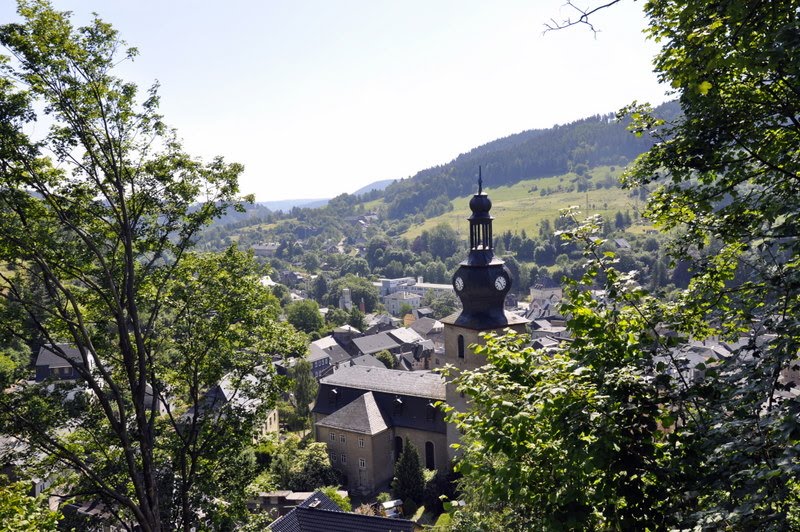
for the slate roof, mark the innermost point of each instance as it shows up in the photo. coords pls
(47, 357)
(368, 345)
(418, 384)
(367, 360)
(332, 349)
(425, 326)
(346, 329)
(362, 415)
(405, 335)
(316, 353)
(320, 514)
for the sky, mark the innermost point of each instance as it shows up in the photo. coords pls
(321, 97)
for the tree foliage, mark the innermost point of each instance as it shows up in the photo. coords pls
(305, 316)
(101, 213)
(18, 511)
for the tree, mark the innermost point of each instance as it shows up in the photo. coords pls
(387, 358)
(361, 289)
(305, 316)
(102, 213)
(726, 173)
(442, 304)
(409, 481)
(311, 469)
(305, 386)
(355, 319)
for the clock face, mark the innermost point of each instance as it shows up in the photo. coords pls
(459, 284)
(500, 282)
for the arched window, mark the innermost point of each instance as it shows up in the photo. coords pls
(398, 447)
(460, 346)
(430, 461)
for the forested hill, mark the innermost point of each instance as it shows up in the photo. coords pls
(596, 140)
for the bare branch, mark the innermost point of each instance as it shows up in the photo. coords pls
(583, 17)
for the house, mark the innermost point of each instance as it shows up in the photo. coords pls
(395, 302)
(621, 243)
(364, 415)
(320, 361)
(380, 322)
(265, 250)
(410, 284)
(422, 312)
(318, 513)
(232, 394)
(430, 329)
(336, 353)
(58, 362)
(370, 345)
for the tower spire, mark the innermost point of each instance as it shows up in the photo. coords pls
(480, 181)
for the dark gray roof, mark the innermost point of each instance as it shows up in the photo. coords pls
(362, 416)
(424, 326)
(319, 514)
(48, 357)
(367, 360)
(374, 343)
(418, 383)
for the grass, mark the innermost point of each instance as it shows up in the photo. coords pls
(522, 206)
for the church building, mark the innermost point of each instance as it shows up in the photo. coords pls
(481, 282)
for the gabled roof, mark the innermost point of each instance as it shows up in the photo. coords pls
(316, 353)
(362, 415)
(367, 360)
(346, 329)
(48, 357)
(403, 296)
(319, 514)
(374, 343)
(419, 383)
(332, 348)
(425, 326)
(405, 335)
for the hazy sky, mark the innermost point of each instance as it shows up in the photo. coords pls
(321, 97)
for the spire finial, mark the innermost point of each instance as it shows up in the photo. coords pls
(480, 181)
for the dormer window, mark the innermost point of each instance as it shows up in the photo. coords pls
(430, 411)
(398, 404)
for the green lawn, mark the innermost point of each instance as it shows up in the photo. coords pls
(522, 205)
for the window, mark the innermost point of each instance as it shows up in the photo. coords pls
(344, 458)
(333, 457)
(333, 436)
(460, 346)
(361, 442)
(362, 464)
(430, 411)
(342, 438)
(398, 404)
(430, 461)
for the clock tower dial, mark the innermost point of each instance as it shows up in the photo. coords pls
(500, 282)
(459, 284)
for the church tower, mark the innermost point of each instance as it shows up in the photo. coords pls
(481, 283)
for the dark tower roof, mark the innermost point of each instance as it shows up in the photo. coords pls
(482, 280)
